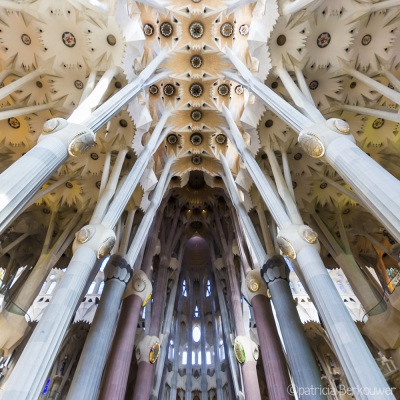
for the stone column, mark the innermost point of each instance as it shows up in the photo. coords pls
(88, 373)
(137, 293)
(59, 140)
(204, 382)
(189, 341)
(298, 352)
(274, 362)
(301, 243)
(329, 140)
(217, 360)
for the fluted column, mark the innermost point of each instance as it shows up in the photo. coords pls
(88, 373)
(59, 140)
(330, 141)
(91, 241)
(299, 242)
(189, 341)
(298, 352)
(274, 362)
(138, 291)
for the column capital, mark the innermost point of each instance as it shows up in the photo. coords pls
(148, 349)
(275, 268)
(77, 138)
(293, 238)
(245, 349)
(118, 268)
(255, 285)
(97, 237)
(316, 138)
(140, 285)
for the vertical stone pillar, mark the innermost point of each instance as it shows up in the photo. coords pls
(298, 352)
(274, 362)
(88, 373)
(203, 338)
(25, 177)
(137, 293)
(189, 341)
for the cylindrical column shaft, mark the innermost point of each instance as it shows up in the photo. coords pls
(274, 362)
(119, 361)
(88, 373)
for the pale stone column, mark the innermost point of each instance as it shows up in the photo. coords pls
(298, 352)
(91, 241)
(204, 382)
(88, 373)
(301, 243)
(330, 140)
(59, 140)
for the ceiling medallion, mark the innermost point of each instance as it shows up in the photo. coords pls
(285, 247)
(244, 30)
(196, 30)
(239, 89)
(172, 139)
(323, 40)
(196, 115)
(196, 61)
(310, 236)
(94, 156)
(342, 126)
(366, 40)
(313, 85)
(69, 185)
(223, 89)
(220, 139)
(26, 39)
(226, 29)
(154, 353)
(281, 40)
(239, 352)
(196, 160)
(166, 29)
(68, 39)
(378, 123)
(78, 84)
(111, 40)
(196, 89)
(196, 139)
(169, 89)
(148, 30)
(98, 184)
(298, 156)
(13, 122)
(153, 89)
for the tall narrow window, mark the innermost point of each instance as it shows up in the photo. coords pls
(208, 293)
(184, 358)
(196, 312)
(208, 358)
(196, 334)
(184, 291)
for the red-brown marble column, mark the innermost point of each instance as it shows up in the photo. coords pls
(119, 361)
(274, 362)
(117, 369)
